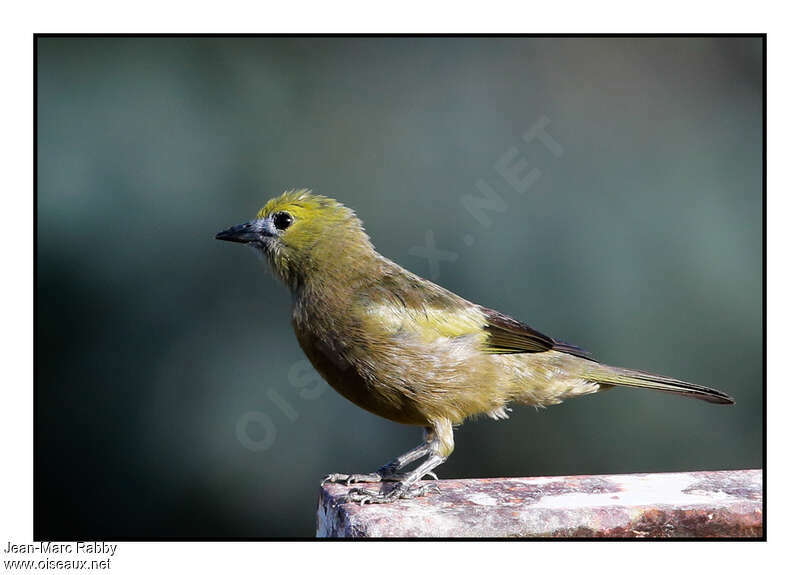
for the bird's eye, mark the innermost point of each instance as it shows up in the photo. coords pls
(282, 220)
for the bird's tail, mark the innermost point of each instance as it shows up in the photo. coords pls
(608, 375)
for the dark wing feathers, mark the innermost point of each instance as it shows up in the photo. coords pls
(507, 335)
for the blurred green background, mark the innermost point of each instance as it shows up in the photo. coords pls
(172, 398)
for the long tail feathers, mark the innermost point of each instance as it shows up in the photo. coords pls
(631, 378)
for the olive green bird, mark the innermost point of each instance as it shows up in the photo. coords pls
(409, 350)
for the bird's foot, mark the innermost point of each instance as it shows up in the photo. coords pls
(349, 478)
(383, 474)
(400, 491)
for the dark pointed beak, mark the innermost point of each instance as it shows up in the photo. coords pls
(243, 234)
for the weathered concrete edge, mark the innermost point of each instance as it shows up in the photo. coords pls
(722, 504)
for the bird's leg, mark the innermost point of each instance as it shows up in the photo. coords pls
(438, 449)
(388, 471)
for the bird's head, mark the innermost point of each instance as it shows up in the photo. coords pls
(304, 236)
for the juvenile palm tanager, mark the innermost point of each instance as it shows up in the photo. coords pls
(409, 350)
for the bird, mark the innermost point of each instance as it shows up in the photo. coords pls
(411, 351)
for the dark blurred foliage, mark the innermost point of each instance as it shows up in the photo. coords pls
(641, 243)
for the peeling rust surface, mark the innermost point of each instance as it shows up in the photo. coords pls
(660, 505)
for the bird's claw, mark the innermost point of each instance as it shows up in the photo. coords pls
(401, 491)
(350, 478)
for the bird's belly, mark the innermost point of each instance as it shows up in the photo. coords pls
(343, 376)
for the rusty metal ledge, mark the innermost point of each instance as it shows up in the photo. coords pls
(695, 504)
